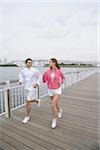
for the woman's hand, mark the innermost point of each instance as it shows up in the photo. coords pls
(59, 82)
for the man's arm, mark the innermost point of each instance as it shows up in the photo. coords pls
(38, 78)
(21, 78)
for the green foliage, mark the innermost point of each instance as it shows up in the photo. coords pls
(74, 65)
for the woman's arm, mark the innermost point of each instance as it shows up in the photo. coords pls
(62, 76)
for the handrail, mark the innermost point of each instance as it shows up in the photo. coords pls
(12, 98)
(78, 71)
(11, 81)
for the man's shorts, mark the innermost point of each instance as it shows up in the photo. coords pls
(30, 94)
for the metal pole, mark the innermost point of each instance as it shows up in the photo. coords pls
(7, 100)
(9, 105)
(38, 93)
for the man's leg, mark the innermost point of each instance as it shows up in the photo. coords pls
(28, 111)
(32, 97)
(28, 108)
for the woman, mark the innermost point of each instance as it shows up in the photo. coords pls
(54, 78)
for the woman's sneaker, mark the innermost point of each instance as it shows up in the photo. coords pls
(60, 113)
(54, 124)
(39, 103)
(26, 119)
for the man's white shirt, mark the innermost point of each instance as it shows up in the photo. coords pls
(29, 76)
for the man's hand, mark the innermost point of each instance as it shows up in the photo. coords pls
(20, 83)
(35, 85)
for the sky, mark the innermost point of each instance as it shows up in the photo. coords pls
(67, 30)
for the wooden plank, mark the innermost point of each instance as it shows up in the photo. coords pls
(42, 135)
(21, 130)
(77, 130)
(80, 130)
(14, 142)
(22, 139)
(43, 131)
(6, 146)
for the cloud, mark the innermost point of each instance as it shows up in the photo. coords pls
(52, 29)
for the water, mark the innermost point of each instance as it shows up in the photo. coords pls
(11, 73)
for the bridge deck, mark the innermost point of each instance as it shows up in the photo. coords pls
(77, 130)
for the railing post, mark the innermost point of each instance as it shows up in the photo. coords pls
(7, 100)
(79, 76)
(70, 79)
(66, 80)
(63, 87)
(75, 77)
(38, 92)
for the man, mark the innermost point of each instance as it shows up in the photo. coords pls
(31, 77)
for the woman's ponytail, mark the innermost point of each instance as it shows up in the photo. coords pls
(58, 66)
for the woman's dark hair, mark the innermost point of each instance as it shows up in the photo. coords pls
(54, 60)
(28, 60)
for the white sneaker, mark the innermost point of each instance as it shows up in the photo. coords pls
(60, 113)
(39, 103)
(54, 124)
(26, 119)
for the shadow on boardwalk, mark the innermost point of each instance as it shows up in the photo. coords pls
(77, 130)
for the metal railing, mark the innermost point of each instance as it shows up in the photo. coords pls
(12, 98)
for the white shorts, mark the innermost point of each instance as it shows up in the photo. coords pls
(30, 95)
(53, 92)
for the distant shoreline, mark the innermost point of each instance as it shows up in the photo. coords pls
(75, 65)
(8, 65)
(61, 65)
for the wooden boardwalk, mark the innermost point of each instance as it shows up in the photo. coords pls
(77, 130)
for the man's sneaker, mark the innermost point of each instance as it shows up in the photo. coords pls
(54, 124)
(60, 113)
(26, 119)
(39, 103)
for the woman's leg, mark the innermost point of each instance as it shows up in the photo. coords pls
(51, 97)
(54, 105)
(57, 104)
(58, 108)
(54, 101)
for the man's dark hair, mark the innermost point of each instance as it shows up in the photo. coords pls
(28, 60)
